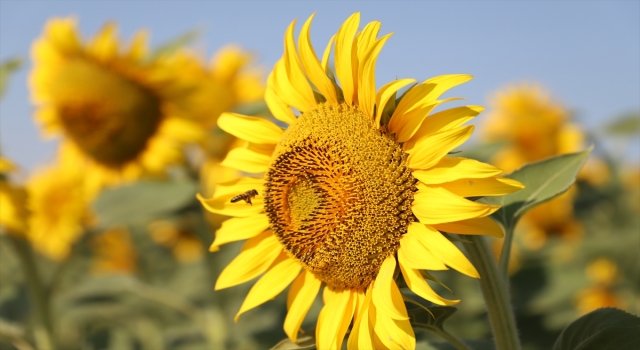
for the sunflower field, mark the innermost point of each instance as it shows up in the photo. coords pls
(216, 203)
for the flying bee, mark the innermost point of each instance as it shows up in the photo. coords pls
(245, 196)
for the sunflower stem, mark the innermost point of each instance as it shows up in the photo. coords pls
(495, 293)
(43, 329)
(505, 254)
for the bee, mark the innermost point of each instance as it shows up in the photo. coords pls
(245, 196)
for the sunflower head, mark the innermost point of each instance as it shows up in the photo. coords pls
(524, 115)
(333, 163)
(353, 192)
(59, 210)
(113, 104)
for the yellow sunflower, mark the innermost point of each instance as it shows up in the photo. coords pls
(358, 185)
(13, 209)
(59, 210)
(535, 127)
(116, 107)
(227, 82)
(603, 275)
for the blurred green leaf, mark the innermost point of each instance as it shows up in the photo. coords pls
(6, 68)
(601, 329)
(543, 180)
(627, 124)
(175, 44)
(482, 152)
(141, 201)
(305, 342)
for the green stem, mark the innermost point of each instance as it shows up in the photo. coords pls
(43, 329)
(495, 295)
(505, 254)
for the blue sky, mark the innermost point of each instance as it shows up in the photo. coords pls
(586, 53)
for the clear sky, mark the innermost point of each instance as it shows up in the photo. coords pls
(587, 53)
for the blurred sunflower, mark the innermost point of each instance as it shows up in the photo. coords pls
(602, 274)
(13, 209)
(113, 252)
(358, 184)
(59, 210)
(116, 107)
(227, 82)
(185, 246)
(535, 127)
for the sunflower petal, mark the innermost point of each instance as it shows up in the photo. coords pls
(312, 66)
(258, 253)
(416, 255)
(492, 186)
(274, 281)
(330, 319)
(477, 226)
(429, 150)
(327, 53)
(237, 229)
(418, 285)
(386, 295)
(386, 92)
(437, 205)
(361, 337)
(105, 45)
(444, 120)
(392, 333)
(284, 88)
(300, 298)
(452, 169)
(367, 78)
(446, 251)
(294, 70)
(343, 56)
(252, 129)
(247, 160)
(278, 108)
(347, 317)
(406, 124)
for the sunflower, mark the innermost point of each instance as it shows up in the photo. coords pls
(358, 184)
(13, 210)
(225, 83)
(523, 115)
(116, 107)
(59, 210)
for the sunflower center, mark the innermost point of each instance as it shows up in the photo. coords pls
(109, 116)
(338, 195)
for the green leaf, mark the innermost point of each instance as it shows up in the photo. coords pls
(175, 44)
(482, 152)
(6, 68)
(627, 124)
(543, 181)
(307, 341)
(601, 329)
(142, 201)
